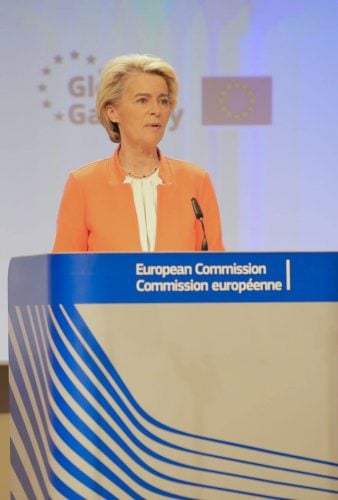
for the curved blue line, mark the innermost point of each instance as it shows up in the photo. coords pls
(82, 477)
(69, 386)
(97, 349)
(64, 489)
(86, 431)
(83, 452)
(21, 471)
(22, 429)
(89, 434)
(17, 418)
(28, 361)
(64, 352)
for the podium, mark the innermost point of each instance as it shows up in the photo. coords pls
(204, 375)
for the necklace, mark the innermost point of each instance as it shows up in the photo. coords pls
(142, 176)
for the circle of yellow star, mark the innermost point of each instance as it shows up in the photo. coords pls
(225, 105)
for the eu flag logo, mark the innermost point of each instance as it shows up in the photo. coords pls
(237, 100)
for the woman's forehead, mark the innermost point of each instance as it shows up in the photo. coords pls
(145, 83)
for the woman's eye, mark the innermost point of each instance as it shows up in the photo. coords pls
(142, 100)
(165, 101)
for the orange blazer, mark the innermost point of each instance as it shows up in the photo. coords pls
(97, 212)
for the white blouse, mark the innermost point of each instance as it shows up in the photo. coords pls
(145, 199)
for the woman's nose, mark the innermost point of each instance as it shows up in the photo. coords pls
(155, 109)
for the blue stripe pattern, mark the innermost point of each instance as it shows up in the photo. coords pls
(147, 457)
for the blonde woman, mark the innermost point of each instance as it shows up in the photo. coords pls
(138, 199)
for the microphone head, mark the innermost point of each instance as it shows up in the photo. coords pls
(197, 209)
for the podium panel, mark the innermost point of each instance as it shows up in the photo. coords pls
(204, 375)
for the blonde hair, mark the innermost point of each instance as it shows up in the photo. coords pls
(113, 77)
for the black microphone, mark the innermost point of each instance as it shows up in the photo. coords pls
(199, 216)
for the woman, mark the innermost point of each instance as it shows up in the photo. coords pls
(138, 199)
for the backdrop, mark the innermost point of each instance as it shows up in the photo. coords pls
(257, 109)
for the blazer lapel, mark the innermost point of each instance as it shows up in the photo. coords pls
(167, 209)
(125, 214)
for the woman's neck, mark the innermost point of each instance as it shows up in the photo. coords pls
(138, 162)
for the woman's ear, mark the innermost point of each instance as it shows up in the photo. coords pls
(112, 113)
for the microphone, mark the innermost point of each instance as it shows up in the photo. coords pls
(199, 216)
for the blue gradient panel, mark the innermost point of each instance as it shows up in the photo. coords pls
(186, 277)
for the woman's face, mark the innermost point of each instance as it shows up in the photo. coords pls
(143, 111)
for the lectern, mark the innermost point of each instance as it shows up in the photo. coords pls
(204, 375)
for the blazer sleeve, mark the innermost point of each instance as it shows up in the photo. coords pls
(212, 220)
(71, 230)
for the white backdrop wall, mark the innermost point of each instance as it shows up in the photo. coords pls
(276, 182)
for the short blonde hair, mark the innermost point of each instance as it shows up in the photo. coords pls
(113, 77)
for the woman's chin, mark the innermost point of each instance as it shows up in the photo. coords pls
(151, 143)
